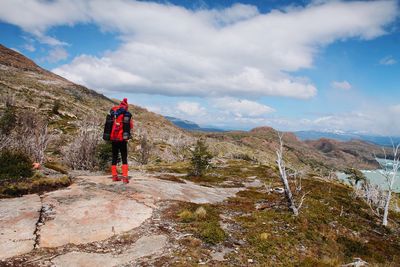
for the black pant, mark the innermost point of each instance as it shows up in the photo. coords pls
(120, 147)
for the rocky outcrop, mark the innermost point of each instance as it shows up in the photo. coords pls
(145, 246)
(94, 209)
(18, 222)
(80, 215)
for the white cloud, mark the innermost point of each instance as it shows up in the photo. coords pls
(373, 120)
(29, 47)
(191, 108)
(37, 16)
(389, 60)
(100, 74)
(56, 54)
(234, 51)
(344, 85)
(242, 108)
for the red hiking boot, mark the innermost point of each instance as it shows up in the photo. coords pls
(114, 173)
(125, 173)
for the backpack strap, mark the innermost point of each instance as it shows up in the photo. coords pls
(116, 113)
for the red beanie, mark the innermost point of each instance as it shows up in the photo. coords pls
(124, 103)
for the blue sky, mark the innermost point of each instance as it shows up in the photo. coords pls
(293, 65)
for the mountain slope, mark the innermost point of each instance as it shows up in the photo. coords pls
(38, 90)
(263, 142)
(377, 140)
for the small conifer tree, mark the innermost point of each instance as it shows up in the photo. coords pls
(200, 159)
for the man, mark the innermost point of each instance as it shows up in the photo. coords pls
(120, 134)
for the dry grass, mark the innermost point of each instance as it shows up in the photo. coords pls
(35, 185)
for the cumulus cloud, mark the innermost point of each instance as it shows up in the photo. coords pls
(37, 16)
(344, 85)
(242, 108)
(226, 112)
(100, 74)
(234, 51)
(56, 54)
(191, 108)
(374, 120)
(389, 60)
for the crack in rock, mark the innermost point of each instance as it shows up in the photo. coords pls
(18, 224)
(143, 247)
(38, 224)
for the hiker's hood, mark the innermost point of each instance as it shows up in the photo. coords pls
(124, 104)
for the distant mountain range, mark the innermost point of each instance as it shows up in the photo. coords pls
(374, 139)
(191, 126)
(302, 135)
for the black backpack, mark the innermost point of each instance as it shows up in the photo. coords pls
(110, 120)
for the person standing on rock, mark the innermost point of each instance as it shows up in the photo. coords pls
(118, 130)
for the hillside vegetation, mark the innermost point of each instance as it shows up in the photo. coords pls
(250, 225)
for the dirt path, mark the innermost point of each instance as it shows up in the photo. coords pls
(93, 209)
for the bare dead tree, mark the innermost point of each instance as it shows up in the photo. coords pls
(390, 169)
(296, 176)
(373, 195)
(284, 179)
(9, 100)
(30, 136)
(144, 150)
(80, 154)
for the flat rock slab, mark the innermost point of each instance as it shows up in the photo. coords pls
(145, 246)
(80, 215)
(18, 219)
(159, 189)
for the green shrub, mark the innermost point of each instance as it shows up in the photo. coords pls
(353, 248)
(8, 121)
(200, 159)
(203, 222)
(15, 165)
(104, 155)
(56, 107)
(186, 216)
(212, 233)
(243, 156)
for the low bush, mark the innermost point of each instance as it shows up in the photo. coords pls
(58, 167)
(80, 154)
(104, 155)
(203, 221)
(243, 156)
(14, 165)
(186, 216)
(212, 233)
(200, 213)
(37, 184)
(56, 107)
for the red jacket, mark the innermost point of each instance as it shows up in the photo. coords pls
(118, 130)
